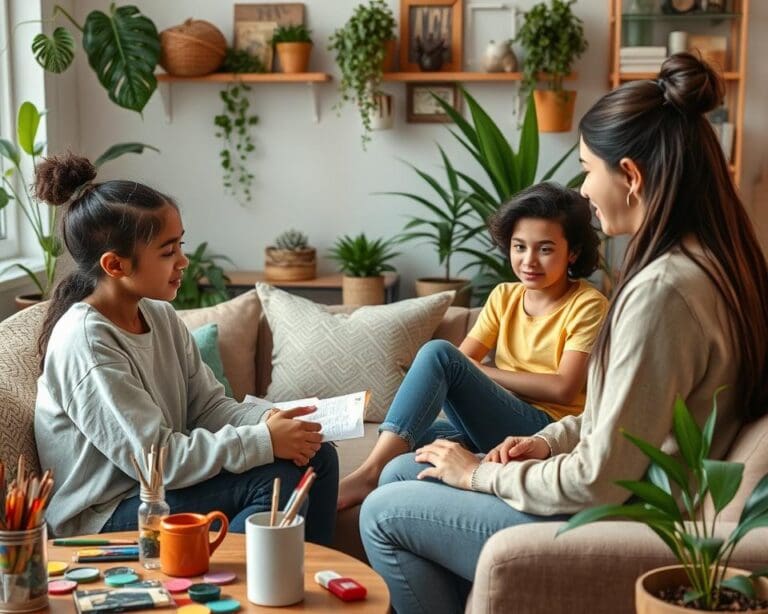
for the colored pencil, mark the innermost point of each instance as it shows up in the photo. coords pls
(79, 541)
(291, 512)
(275, 502)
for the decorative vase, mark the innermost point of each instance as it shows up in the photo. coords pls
(639, 31)
(294, 57)
(650, 583)
(383, 115)
(499, 57)
(433, 285)
(362, 290)
(554, 109)
(290, 264)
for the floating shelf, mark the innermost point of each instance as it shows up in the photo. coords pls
(632, 76)
(437, 76)
(310, 78)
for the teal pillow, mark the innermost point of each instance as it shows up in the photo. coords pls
(207, 339)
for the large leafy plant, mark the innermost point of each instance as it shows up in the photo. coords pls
(691, 538)
(202, 265)
(14, 186)
(360, 257)
(123, 48)
(359, 49)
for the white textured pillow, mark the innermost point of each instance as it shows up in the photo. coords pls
(318, 353)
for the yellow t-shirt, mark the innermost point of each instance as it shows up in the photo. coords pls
(535, 344)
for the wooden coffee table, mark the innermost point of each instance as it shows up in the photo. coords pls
(230, 556)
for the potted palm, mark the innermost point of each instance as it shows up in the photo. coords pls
(552, 38)
(703, 581)
(364, 50)
(290, 258)
(363, 261)
(446, 230)
(14, 186)
(293, 46)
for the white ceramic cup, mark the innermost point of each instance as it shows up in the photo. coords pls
(274, 559)
(678, 42)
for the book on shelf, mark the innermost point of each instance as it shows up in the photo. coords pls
(646, 67)
(643, 52)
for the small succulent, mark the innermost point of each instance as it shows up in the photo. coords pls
(297, 33)
(292, 240)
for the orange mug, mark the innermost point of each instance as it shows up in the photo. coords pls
(185, 549)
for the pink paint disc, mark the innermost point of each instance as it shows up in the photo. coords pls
(220, 577)
(61, 587)
(179, 585)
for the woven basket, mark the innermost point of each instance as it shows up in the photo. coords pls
(290, 265)
(192, 49)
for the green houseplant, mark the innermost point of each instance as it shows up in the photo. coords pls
(123, 48)
(552, 38)
(360, 48)
(290, 258)
(202, 265)
(703, 555)
(363, 261)
(14, 186)
(293, 46)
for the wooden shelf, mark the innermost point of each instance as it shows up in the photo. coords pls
(468, 76)
(633, 76)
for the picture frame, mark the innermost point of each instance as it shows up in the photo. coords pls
(441, 19)
(422, 108)
(255, 24)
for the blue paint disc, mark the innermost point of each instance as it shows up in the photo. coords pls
(121, 579)
(224, 605)
(204, 592)
(83, 574)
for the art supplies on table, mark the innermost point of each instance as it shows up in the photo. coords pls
(107, 554)
(153, 507)
(88, 541)
(345, 589)
(150, 595)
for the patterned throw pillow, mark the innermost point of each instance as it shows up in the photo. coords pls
(318, 353)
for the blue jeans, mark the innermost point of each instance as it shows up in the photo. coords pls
(239, 495)
(480, 412)
(424, 538)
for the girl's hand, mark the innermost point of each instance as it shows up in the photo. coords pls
(453, 463)
(518, 448)
(294, 440)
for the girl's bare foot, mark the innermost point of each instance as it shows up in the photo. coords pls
(355, 487)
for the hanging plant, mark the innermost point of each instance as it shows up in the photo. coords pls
(233, 126)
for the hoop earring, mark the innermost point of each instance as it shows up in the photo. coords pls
(629, 205)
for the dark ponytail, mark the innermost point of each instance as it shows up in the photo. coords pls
(98, 218)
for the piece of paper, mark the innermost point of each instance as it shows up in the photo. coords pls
(340, 417)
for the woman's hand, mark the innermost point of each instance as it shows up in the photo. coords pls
(518, 448)
(453, 463)
(294, 440)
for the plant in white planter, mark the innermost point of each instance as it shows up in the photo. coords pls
(704, 557)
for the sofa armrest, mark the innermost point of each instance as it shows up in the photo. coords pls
(590, 569)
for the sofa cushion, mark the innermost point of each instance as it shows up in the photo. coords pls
(207, 340)
(19, 370)
(238, 321)
(318, 353)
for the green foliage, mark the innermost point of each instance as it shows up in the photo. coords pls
(359, 257)
(123, 48)
(552, 38)
(692, 540)
(446, 230)
(292, 240)
(359, 49)
(297, 33)
(14, 186)
(508, 172)
(202, 264)
(239, 60)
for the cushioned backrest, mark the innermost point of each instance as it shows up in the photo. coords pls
(19, 370)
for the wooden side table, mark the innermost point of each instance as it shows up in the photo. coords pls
(323, 289)
(230, 556)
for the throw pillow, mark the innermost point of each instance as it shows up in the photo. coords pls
(318, 353)
(207, 340)
(238, 321)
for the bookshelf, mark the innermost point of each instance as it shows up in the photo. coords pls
(731, 24)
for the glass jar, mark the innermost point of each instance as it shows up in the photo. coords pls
(23, 570)
(152, 510)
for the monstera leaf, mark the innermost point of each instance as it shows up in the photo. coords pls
(123, 49)
(54, 53)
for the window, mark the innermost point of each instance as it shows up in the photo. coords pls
(8, 226)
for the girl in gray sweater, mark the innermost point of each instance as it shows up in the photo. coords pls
(120, 372)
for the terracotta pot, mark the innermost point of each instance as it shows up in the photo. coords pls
(27, 300)
(432, 285)
(554, 110)
(362, 290)
(289, 264)
(383, 116)
(388, 65)
(294, 57)
(650, 583)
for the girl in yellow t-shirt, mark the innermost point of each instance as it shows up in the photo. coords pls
(541, 329)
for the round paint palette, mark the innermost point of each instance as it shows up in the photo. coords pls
(195, 608)
(117, 571)
(178, 585)
(121, 579)
(61, 587)
(204, 592)
(82, 574)
(224, 605)
(220, 577)
(57, 568)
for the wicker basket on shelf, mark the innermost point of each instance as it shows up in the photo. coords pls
(192, 49)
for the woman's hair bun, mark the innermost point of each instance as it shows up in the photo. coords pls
(690, 84)
(57, 177)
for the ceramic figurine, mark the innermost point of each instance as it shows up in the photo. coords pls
(499, 57)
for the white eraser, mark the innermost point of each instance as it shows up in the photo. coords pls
(325, 576)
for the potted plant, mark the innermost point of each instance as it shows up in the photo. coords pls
(703, 579)
(290, 258)
(193, 293)
(552, 38)
(293, 46)
(363, 262)
(14, 186)
(446, 230)
(361, 48)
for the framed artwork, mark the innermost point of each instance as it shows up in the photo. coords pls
(431, 20)
(421, 107)
(289, 14)
(255, 24)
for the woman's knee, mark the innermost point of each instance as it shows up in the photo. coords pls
(437, 350)
(400, 469)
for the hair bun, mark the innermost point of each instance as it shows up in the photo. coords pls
(57, 177)
(691, 84)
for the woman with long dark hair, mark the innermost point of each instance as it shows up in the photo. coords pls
(689, 315)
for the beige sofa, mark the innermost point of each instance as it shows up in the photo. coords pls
(521, 569)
